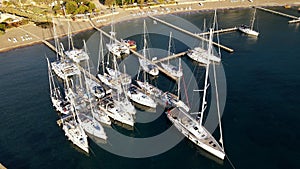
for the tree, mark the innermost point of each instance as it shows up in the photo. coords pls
(81, 9)
(109, 2)
(91, 6)
(71, 7)
(2, 27)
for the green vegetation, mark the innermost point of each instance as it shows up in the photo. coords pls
(2, 27)
(74, 7)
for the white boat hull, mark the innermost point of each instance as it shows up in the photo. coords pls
(92, 127)
(148, 67)
(76, 135)
(140, 98)
(195, 132)
(173, 70)
(77, 55)
(248, 31)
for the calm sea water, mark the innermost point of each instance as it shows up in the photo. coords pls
(260, 120)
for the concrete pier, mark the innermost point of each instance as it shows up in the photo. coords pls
(295, 18)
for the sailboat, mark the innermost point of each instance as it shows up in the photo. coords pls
(200, 54)
(249, 29)
(146, 65)
(193, 129)
(113, 77)
(77, 55)
(60, 104)
(83, 110)
(118, 49)
(96, 89)
(107, 104)
(150, 89)
(118, 75)
(173, 70)
(75, 132)
(138, 96)
(120, 98)
(172, 100)
(99, 92)
(62, 67)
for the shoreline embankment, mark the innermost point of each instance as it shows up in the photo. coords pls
(31, 34)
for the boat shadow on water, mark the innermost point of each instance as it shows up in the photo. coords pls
(125, 126)
(204, 153)
(97, 140)
(79, 149)
(144, 108)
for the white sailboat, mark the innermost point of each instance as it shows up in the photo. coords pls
(171, 100)
(115, 112)
(75, 132)
(200, 54)
(96, 89)
(194, 129)
(99, 92)
(146, 65)
(150, 89)
(107, 78)
(249, 29)
(107, 104)
(118, 49)
(77, 55)
(117, 75)
(60, 104)
(120, 98)
(173, 70)
(83, 110)
(62, 67)
(138, 96)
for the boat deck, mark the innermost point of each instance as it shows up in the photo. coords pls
(195, 132)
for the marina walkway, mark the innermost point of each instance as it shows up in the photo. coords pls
(169, 57)
(190, 33)
(219, 31)
(295, 18)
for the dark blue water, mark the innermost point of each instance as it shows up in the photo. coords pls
(260, 120)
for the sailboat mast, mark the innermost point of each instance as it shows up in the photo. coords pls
(144, 48)
(70, 40)
(178, 88)
(88, 91)
(145, 41)
(169, 47)
(253, 19)
(204, 29)
(50, 77)
(204, 104)
(218, 106)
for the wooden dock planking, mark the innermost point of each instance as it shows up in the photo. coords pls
(295, 18)
(170, 57)
(294, 21)
(219, 31)
(190, 33)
